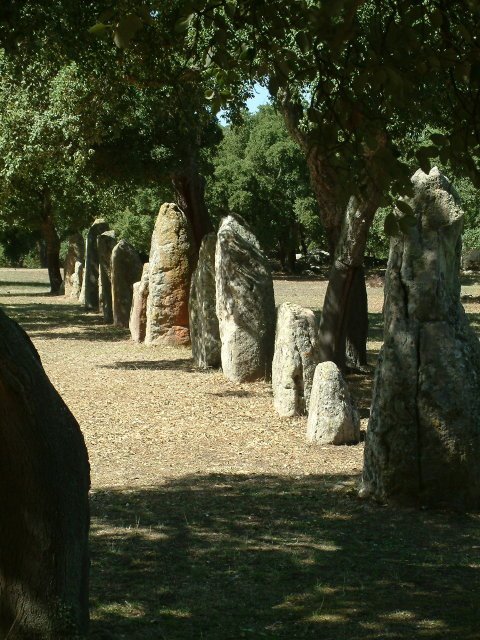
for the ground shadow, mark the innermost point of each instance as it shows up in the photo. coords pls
(24, 284)
(474, 319)
(469, 279)
(183, 364)
(41, 320)
(35, 294)
(321, 276)
(226, 556)
(232, 393)
(467, 298)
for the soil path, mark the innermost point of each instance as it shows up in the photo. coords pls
(213, 519)
(146, 413)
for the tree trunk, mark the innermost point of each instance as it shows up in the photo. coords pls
(44, 479)
(344, 324)
(52, 243)
(42, 254)
(346, 289)
(287, 256)
(357, 322)
(189, 187)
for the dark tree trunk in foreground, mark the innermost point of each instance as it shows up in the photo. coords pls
(357, 322)
(189, 187)
(52, 244)
(345, 312)
(44, 480)
(344, 325)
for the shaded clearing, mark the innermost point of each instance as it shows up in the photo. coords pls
(213, 519)
(229, 556)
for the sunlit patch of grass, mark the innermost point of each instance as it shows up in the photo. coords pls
(121, 609)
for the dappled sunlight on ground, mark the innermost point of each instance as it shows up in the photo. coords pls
(212, 518)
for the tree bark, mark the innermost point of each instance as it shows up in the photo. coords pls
(344, 325)
(357, 322)
(345, 286)
(44, 479)
(189, 188)
(52, 243)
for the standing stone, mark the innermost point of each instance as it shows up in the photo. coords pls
(423, 438)
(172, 258)
(295, 358)
(204, 331)
(75, 254)
(44, 480)
(77, 280)
(126, 270)
(332, 415)
(138, 314)
(245, 303)
(89, 295)
(105, 244)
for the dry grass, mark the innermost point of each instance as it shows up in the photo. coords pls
(213, 519)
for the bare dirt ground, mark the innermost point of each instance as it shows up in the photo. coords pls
(213, 518)
(148, 415)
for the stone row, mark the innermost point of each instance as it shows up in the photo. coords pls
(101, 272)
(423, 439)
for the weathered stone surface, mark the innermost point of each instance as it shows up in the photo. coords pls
(77, 280)
(423, 438)
(295, 358)
(44, 480)
(105, 244)
(138, 314)
(75, 253)
(89, 294)
(126, 270)
(172, 258)
(471, 260)
(245, 303)
(332, 416)
(204, 331)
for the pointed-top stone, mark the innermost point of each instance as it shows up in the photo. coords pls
(423, 438)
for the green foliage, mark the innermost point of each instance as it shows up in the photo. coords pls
(306, 212)
(135, 223)
(45, 148)
(470, 197)
(378, 242)
(16, 243)
(261, 174)
(357, 79)
(31, 260)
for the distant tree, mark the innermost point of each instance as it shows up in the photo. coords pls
(44, 179)
(261, 174)
(170, 124)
